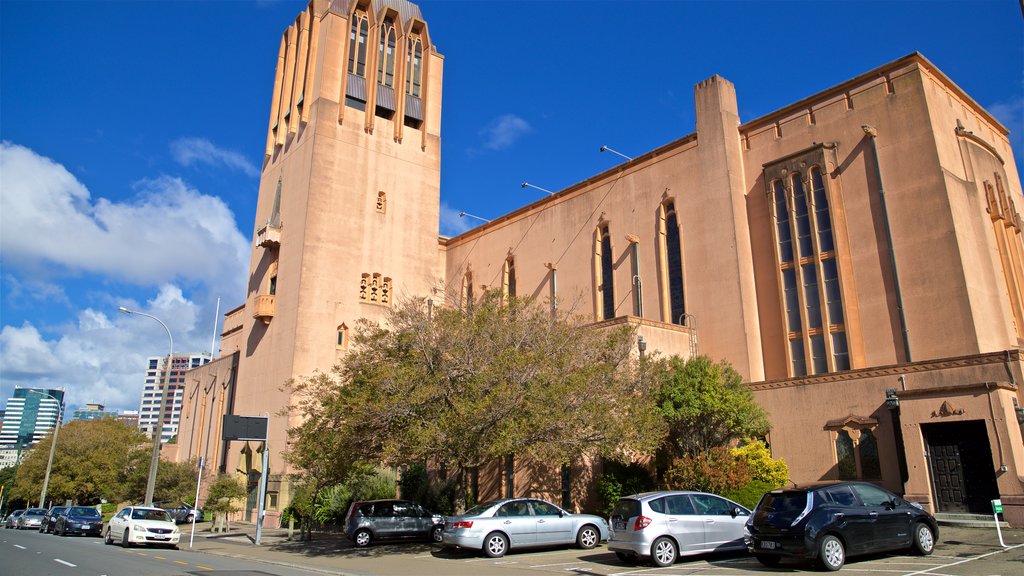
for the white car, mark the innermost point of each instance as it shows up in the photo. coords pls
(142, 525)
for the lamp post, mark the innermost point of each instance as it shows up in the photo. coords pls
(53, 447)
(607, 149)
(464, 214)
(528, 185)
(158, 430)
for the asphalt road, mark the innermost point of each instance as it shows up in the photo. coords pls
(30, 553)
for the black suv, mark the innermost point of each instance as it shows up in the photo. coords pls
(828, 521)
(387, 519)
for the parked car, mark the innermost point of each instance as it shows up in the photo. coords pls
(662, 526)
(50, 519)
(502, 525)
(390, 519)
(79, 520)
(184, 512)
(142, 525)
(12, 519)
(32, 518)
(829, 521)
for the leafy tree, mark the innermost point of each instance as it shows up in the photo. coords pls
(464, 387)
(705, 405)
(95, 459)
(224, 492)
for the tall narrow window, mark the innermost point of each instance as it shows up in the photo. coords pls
(1007, 234)
(382, 202)
(673, 264)
(357, 45)
(342, 341)
(414, 66)
(386, 54)
(607, 276)
(510, 277)
(808, 271)
(846, 460)
(510, 476)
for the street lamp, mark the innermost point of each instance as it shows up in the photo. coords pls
(53, 446)
(158, 430)
(464, 214)
(528, 185)
(607, 149)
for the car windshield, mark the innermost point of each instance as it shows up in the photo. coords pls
(480, 508)
(626, 508)
(83, 511)
(35, 512)
(144, 514)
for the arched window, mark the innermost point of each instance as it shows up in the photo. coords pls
(606, 272)
(510, 277)
(414, 65)
(357, 45)
(467, 290)
(386, 56)
(845, 457)
(808, 272)
(673, 263)
(342, 342)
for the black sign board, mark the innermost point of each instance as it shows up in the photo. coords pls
(245, 427)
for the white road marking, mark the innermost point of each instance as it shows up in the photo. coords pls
(965, 560)
(19, 546)
(558, 564)
(64, 563)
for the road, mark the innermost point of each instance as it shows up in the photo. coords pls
(30, 553)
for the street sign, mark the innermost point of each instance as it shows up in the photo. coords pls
(997, 506)
(245, 427)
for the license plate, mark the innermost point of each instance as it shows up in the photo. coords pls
(768, 545)
(620, 524)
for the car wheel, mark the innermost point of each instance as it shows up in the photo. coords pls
(495, 545)
(435, 534)
(588, 537)
(663, 551)
(768, 561)
(108, 539)
(626, 557)
(924, 539)
(362, 538)
(125, 542)
(831, 553)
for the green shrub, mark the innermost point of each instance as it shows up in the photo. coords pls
(438, 497)
(618, 480)
(761, 464)
(716, 471)
(750, 493)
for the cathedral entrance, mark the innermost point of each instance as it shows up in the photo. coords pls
(960, 461)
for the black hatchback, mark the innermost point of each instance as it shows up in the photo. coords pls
(828, 522)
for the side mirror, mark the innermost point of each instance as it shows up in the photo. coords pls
(736, 511)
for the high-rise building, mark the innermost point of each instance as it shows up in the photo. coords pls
(31, 414)
(856, 255)
(93, 412)
(149, 408)
(129, 417)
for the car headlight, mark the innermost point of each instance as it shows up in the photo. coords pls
(139, 527)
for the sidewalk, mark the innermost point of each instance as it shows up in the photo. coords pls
(331, 553)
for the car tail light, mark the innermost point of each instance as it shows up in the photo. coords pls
(641, 523)
(463, 524)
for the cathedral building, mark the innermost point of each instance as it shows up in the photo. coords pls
(856, 256)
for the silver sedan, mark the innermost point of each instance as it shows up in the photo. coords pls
(500, 525)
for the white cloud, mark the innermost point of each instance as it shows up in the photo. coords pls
(503, 131)
(171, 239)
(188, 151)
(168, 231)
(101, 358)
(452, 224)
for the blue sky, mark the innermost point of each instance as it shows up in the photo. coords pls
(132, 135)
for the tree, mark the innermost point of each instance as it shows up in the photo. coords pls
(466, 386)
(94, 460)
(705, 405)
(223, 493)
